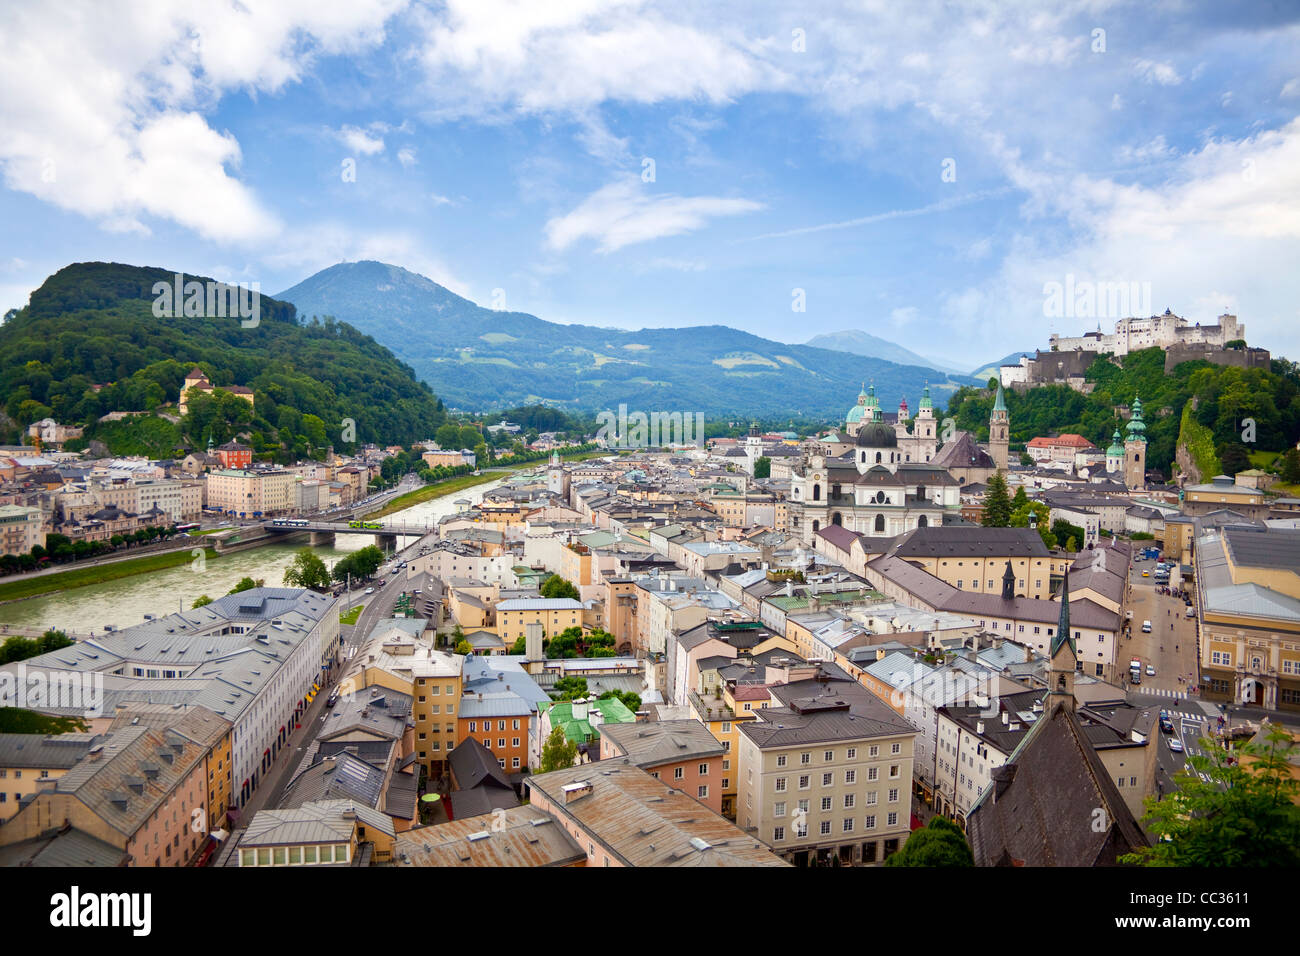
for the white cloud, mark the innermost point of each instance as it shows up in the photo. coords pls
(102, 103)
(359, 141)
(1291, 89)
(406, 156)
(1152, 71)
(624, 213)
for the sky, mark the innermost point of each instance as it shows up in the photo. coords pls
(922, 171)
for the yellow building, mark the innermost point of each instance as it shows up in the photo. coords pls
(28, 762)
(554, 614)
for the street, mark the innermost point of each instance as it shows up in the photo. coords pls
(1171, 645)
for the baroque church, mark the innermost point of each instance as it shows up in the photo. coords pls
(891, 479)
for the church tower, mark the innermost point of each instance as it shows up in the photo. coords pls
(924, 428)
(1135, 450)
(1063, 658)
(557, 480)
(1115, 455)
(753, 446)
(999, 431)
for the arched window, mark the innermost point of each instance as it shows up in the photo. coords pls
(877, 458)
(837, 520)
(817, 492)
(816, 526)
(880, 522)
(921, 522)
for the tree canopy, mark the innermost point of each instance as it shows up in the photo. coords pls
(939, 843)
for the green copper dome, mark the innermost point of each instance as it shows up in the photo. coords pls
(925, 397)
(1116, 450)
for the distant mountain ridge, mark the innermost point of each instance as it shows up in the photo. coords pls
(477, 358)
(864, 343)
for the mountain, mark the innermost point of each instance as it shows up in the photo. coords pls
(864, 343)
(89, 343)
(479, 358)
(989, 369)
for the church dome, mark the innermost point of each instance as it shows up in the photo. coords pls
(855, 414)
(876, 435)
(1116, 450)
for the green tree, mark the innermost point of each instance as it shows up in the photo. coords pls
(520, 646)
(448, 435)
(360, 564)
(1233, 457)
(463, 648)
(997, 504)
(201, 601)
(557, 587)
(53, 639)
(559, 752)
(763, 467)
(1019, 500)
(1020, 519)
(1067, 533)
(939, 843)
(569, 688)
(1026, 459)
(246, 584)
(307, 571)
(1291, 466)
(18, 649)
(1243, 813)
(631, 700)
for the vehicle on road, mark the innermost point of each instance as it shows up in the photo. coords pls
(1166, 725)
(370, 590)
(1191, 611)
(332, 699)
(1146, 627)
(1151, 670)
(1146, 574)
(1175, 745)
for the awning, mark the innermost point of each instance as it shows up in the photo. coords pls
(315, 688)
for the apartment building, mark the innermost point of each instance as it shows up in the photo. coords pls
(20, 529)
(681, 753)
(827, 775)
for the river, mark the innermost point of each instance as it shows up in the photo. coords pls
(126, 601)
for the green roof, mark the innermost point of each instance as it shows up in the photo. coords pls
(612, 711)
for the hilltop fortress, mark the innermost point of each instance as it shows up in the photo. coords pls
(1070, 356)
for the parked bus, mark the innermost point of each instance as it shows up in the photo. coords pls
(183, 528)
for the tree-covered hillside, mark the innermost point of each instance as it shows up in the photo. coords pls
(1224, 398)
(89, 343)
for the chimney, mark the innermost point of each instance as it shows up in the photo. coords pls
(580, 708)
(979, 727)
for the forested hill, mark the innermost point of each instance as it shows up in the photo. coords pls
(1223, 398)
(89, 343)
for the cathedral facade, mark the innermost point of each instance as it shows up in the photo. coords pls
(890, 480)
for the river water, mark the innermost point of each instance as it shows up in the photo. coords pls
(126, 601)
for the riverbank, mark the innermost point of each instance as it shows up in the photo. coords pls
(82, 577)
(450, 486)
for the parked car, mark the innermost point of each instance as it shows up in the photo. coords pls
(1146, 627)
(1151, 670)
(1146, 574)
(332, 699)
(370, 590)
(1175, 745)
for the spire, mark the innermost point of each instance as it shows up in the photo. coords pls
(1008, 583)
(925, 397)
(1062, 635)
(1000, 402)
(1137, 429)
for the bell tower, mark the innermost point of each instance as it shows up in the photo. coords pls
(1135, 449)
(1064, 657)
(999, 431)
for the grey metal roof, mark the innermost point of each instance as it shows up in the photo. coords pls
(340, 776)
(660, 742)
(62, 848)
(49, 752)
(321, 821)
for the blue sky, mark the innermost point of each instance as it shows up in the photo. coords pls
(919, 170)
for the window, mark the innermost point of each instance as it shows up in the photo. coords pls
(874, 751)
(896, 749)
(514, 741)
(677, 773)
(893, 770)
(853, 753)
(703, 792)
(704, 770)
(871, 797)
(778, 834)
(892, 820)
(780, 760)
(473, 726)
(826, 803)
(726, 726)
(870, 823)
(827, 779)
(778, 808)
(805, 757)
(515, 725)
(780, 784)
(850, 776)
(893, 794)
(848, 824)
(828, 756)
(726, 783)
(826, 827)
(849, 800)
(873, 773)
(501, 725)
(803, 782)
(501, 743)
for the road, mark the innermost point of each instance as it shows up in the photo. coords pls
(1171, 645)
